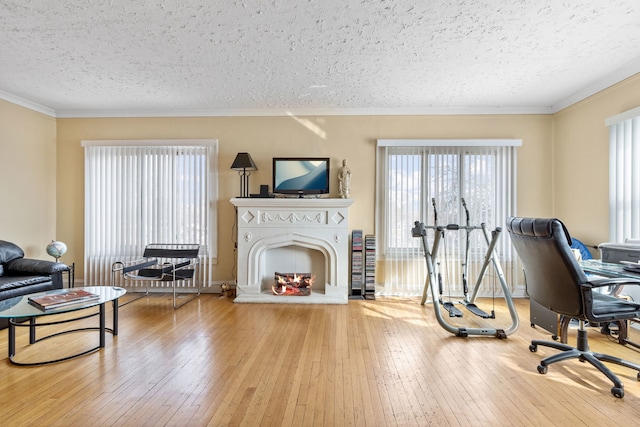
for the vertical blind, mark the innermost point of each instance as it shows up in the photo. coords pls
(143, 192)
(624, 176)
(412, 177)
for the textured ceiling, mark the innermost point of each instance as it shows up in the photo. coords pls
(78, 58)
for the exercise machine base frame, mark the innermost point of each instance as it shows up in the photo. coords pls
(419, 230)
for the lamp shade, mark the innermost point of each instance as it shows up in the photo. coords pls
(244, 161)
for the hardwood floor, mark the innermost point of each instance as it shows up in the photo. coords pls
(369, 363)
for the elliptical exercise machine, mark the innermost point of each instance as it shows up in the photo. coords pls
(435, 277)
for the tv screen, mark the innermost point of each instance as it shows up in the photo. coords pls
(301, 175)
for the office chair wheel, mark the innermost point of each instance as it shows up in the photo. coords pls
(543, 369)
(533, 348)
(618, 392)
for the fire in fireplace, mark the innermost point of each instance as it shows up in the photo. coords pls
(294, 284)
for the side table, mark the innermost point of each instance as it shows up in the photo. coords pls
(71, 275)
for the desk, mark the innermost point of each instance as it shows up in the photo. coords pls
(599, 268)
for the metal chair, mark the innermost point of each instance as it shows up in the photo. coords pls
(162, 262)
(556, 281)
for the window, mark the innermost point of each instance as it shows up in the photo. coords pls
(419, 179)
(142, 192)
(624, 176)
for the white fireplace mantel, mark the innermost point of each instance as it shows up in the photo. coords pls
(292, 235)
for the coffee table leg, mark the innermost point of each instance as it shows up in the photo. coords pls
(12, 338)
(102, 326)
(32, 330)
(115, 317)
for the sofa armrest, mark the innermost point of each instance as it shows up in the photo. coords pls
(34, 266)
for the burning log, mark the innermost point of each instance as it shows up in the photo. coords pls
(294, 284)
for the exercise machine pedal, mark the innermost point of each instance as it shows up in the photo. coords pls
(453, 310)
(479, 312)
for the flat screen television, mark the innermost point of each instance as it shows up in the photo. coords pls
(301, 175)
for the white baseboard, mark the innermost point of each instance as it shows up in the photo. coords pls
(215, 287)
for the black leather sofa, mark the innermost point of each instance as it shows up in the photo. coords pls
(21, 276)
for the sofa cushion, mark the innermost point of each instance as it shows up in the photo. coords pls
(15, 282)
(9, 252)
(33, 266)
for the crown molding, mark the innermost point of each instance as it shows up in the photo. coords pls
(302, 112)
(629, 70)
(27, 104)
(611, 79)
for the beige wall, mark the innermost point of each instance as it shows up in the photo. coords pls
(581, 160)
(562, 165)
(339, 137)
(28, 179)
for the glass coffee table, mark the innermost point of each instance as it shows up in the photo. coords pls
(22, 314)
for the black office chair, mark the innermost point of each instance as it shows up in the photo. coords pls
(555, 280)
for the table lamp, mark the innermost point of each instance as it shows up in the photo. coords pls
(243, 164)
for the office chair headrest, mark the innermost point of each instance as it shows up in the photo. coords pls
(537, 227)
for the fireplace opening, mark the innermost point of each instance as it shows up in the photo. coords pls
(292, 284)
(290, 260)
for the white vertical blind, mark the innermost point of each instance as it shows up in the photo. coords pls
(143, 192)
(410, 176)
(624, 178)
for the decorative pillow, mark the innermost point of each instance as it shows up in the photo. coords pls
(9, 252)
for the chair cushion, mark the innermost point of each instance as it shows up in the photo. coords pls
(611, 306)
(165, 273)
(154, 272)
(9, 252)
